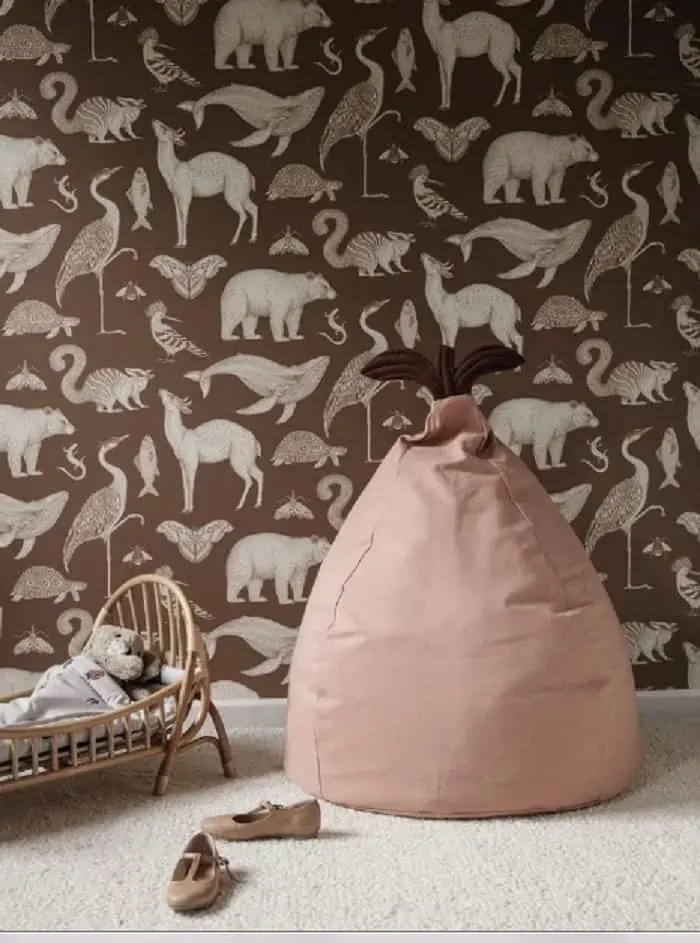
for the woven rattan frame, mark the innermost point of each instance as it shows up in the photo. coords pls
(157, 609)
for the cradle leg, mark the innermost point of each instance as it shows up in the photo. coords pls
(223, 743)
(164, 770)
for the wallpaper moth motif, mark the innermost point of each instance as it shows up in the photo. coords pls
(214, 213)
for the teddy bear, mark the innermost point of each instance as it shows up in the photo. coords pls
(123, 654)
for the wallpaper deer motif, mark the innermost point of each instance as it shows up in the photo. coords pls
(214, 213)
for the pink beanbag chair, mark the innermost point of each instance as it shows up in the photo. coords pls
(459, 656)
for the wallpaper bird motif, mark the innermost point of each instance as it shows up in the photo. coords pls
(214, 213)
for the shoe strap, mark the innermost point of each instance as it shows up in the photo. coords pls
(223, 863)
(268, 807)
(195, 858)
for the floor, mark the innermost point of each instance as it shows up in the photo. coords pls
(95, 853)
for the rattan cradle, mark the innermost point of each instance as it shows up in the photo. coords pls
(156, 608)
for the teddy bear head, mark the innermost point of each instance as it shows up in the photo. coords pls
(122, 653)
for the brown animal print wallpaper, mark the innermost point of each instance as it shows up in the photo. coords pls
(214, 213)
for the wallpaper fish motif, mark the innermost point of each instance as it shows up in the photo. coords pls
(214, 213)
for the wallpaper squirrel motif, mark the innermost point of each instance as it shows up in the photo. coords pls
(214, 214)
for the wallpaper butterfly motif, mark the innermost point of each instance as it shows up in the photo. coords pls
(188, 279)
(194, 543)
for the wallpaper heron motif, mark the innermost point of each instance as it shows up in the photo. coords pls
(214, 213)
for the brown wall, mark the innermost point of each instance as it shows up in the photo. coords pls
(256, 649)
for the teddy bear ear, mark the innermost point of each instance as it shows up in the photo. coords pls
(492, 358)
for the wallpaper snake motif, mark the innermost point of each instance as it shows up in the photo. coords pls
(214, 213)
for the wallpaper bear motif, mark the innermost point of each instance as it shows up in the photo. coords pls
(213, 214)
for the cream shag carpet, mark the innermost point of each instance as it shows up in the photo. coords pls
(95, 854)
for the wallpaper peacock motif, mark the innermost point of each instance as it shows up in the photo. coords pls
(214, 213)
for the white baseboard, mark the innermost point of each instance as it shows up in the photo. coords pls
(253, 712)
(681, 703)
(270, 712)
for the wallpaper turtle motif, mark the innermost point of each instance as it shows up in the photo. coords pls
(214, 213)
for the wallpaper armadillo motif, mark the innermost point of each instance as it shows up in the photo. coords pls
(213, 214)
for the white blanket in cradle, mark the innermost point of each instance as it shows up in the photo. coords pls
(77, 688)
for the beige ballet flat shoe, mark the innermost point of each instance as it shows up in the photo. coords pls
(196, 880)
(301, 820)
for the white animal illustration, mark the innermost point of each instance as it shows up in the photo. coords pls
(77, 463)
(210, 173)
(404, 58)
(452, 143)
(22, 432)
(194, 543)
(692, 395)
(189, 279)
(130, 291)
(537, 248)
(633, 114)
(139, 195)
(25, 378)
(33, 642)
(293, 508)
(276, 384)
(285, 560)
(161, 67)
(473, 306)
(181, 12)
(473, 34)
(168, 338)
(273, 24)
(218, 440)
(19, 158)
(693, 125)
(65, 624)
(275, 642)
(44, 582)
(332, 55)
(94, 247)
(105, 387)
(631, 380)
(326, 491)
(648, 639)
(543, 159)
(27, 520)
(15, 106)
(359, 110)
(98, 117)
(20, 252)
(268, 293)
(146, 464)
(69, 198)
(373, 254)
(406, 325)
(600, 454)
(669, 189)
(571, 501)
(272, 116)
(541, 424)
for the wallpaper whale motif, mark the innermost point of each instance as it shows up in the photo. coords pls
(213, 214)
